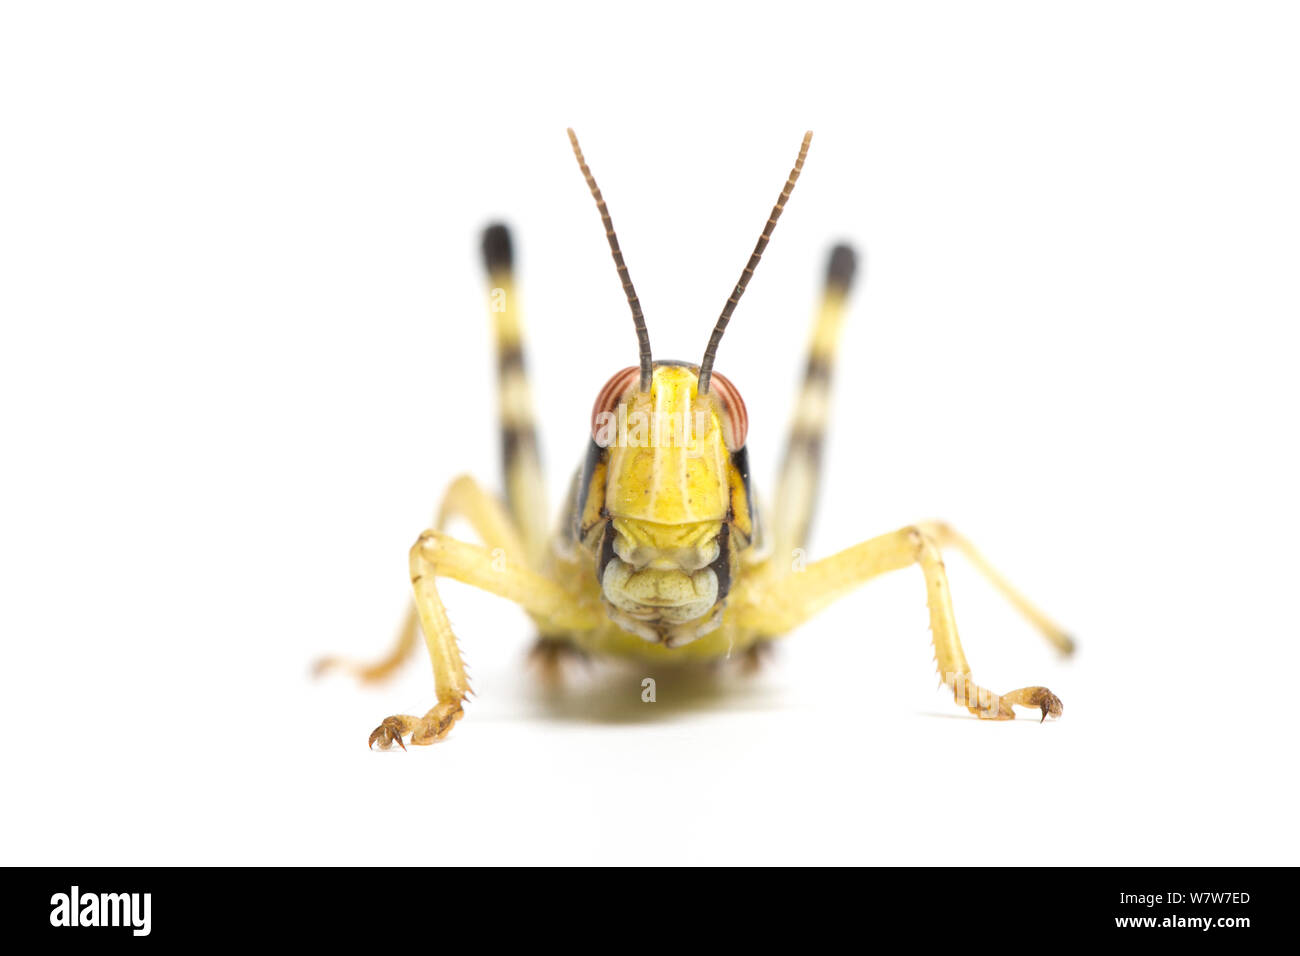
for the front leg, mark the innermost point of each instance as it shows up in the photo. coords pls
(779, 607)
(437, 555)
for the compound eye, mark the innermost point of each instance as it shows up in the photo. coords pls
(607, 401)
(735, 419)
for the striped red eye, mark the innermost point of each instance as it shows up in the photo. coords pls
(612, 394)
(737, 416)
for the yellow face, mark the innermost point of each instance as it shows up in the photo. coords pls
(668, 464)
(668, 490)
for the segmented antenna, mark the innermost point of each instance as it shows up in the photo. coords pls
(706, 366)
(642, 334)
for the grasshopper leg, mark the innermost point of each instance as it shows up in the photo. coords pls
(467, 499)
(786, 603)
(437, 555)
(525, 485)
(801, 464)
(946, 537)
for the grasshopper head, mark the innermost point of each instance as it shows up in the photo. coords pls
(668, 500)
(663, 500)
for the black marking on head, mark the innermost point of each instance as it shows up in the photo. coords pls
(842, 267)
(595, 454)
(721, 565)
(606, 552)
(740, 461)
(498, 250)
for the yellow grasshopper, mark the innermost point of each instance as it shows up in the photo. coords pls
(660, 553)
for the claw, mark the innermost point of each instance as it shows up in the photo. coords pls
(1039, 697)
(1051, 706)
(433, 726)
(387, 732)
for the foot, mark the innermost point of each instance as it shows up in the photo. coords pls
(1048, 703)
(390, 732)
(434, 725)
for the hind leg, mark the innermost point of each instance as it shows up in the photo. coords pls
(466, 499)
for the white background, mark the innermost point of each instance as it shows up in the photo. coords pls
(245, 348)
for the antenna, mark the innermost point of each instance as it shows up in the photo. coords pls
(706, 366)
(638, 319)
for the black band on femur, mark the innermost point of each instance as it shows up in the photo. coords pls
(498, 250)
(842, 266)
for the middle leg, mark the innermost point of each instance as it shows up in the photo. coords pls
(467, 499)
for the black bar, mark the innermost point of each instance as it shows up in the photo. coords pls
(995, 904)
